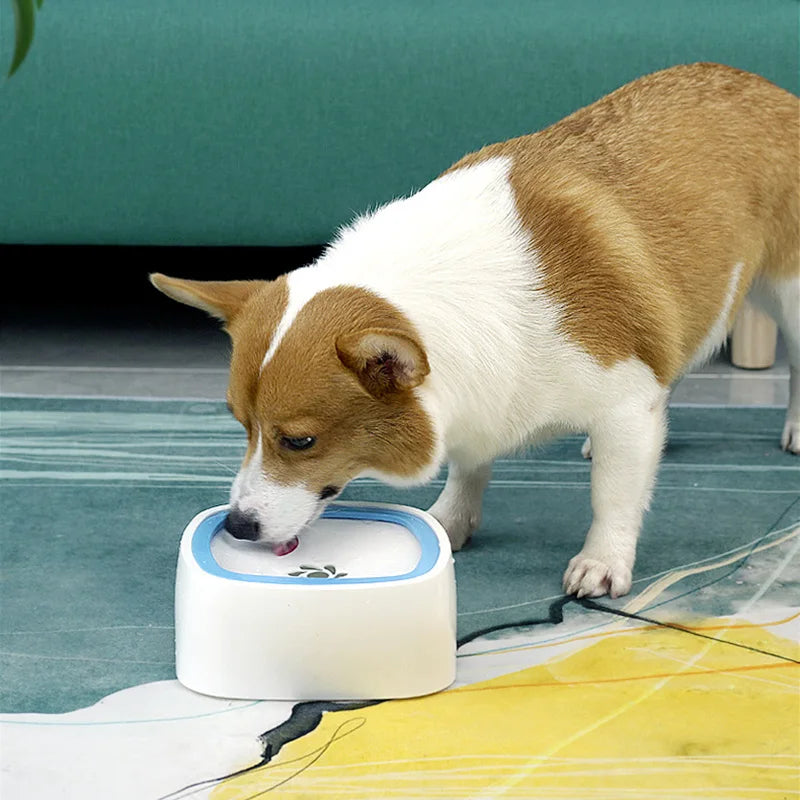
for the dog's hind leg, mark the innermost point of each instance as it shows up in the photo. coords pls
(459, 505)
(781, 300)
(787, 315)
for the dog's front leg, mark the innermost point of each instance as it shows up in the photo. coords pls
(626, 449)
(459, 505)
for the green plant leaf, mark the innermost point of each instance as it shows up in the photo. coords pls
(24, 16)
(318, 575)
(340, 575)
(305, 566)
(295, 574)
(330, 568)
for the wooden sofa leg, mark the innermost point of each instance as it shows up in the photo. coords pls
(753, 339)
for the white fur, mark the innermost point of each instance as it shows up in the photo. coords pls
(455, 259)
(282, 511)
(459, 504)
(627, 438)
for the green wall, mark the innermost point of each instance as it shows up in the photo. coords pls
(267, 122)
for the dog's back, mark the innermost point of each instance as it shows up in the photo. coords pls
(653, 210)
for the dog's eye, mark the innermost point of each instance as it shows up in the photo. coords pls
(298, 442)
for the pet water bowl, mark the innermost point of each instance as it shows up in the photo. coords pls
(363, 608)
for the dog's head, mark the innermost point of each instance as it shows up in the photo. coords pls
(325, 392)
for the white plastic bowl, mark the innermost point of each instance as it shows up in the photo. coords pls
(364, 608)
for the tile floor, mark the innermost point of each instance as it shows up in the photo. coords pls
(160, 357)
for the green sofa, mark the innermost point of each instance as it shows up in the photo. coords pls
(270, 122)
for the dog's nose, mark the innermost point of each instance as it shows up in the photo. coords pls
(242, 526)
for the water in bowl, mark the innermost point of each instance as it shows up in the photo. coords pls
(329, 549)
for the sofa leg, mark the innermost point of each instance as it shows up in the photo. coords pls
(753, 339)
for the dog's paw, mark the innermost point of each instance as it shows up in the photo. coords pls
(790, 438)
(586, 450)
(591, 577)
(460, 524)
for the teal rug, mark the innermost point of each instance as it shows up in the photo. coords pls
(96, 493)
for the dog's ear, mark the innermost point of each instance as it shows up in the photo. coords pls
(388, 363)
(221, 299)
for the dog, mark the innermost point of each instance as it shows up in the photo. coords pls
(557, 282)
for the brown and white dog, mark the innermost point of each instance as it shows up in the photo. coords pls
(556, 282)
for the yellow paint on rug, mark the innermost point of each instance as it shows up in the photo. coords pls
(646, 713)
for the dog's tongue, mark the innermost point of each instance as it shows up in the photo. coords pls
(284, 548)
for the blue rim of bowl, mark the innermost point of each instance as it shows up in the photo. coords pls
(417, 526)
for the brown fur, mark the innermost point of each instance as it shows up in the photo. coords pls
(251, 328)
(640, 205)
(385, 361)
(221, 299)
(307, 390)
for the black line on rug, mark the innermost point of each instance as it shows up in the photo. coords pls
(593, 605)
(304, 718)
(555, 616)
